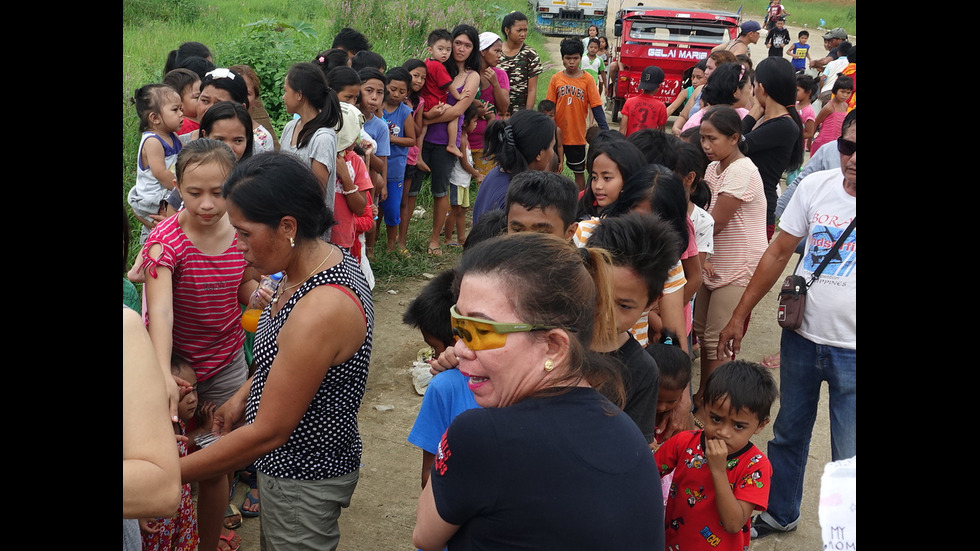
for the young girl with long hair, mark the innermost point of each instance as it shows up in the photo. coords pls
(313, 136)
(196, 280)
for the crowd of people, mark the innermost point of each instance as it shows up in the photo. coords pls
(568, 396)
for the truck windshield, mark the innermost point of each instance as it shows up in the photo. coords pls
(678, 32)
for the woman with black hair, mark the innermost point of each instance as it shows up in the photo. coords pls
(773, 130)
(464, 68)
(523, 142)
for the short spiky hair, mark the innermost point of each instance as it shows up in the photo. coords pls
(437, 35)
(538, 189)
(644, 243)
(746, 385)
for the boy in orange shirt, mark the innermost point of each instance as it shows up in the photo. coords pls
(574, 92)
(643, 110)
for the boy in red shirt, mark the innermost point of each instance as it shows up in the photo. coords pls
(575, 92)
(718, 475)
(643, 110)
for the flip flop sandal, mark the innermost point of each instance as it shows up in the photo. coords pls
(231, 511)
(434, 251)
(249, 502)
(228, 537)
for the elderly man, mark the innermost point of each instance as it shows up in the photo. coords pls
(749, 34)
(824, 348)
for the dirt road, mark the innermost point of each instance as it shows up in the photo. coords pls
(382, 513)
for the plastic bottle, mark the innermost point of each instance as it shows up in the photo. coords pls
(250, 317)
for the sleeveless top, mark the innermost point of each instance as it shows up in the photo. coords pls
(148, 191)
(326, 443)
(829, 130)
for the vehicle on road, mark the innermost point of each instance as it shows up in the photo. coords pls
(569, 17)
(672, 39)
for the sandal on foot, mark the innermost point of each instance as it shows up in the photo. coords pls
(771, 361)
(434, 251)
(228, 538)
(231, 511)
(249, 502)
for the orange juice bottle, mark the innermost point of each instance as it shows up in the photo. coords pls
(251, 315)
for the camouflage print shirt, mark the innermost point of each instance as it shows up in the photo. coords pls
(520, 68)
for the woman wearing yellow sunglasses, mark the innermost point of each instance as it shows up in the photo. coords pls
(547, 462)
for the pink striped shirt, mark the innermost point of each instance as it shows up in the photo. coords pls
(740, 245)
(207, 316)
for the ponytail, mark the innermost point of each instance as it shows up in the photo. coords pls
(514, 142)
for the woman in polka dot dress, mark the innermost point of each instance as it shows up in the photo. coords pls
(312, 350)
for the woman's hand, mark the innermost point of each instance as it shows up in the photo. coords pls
(231, 413)
(261, 297)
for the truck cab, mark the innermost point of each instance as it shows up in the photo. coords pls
(672, 39)
(569, 17)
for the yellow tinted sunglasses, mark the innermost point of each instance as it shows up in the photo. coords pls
(481, 334)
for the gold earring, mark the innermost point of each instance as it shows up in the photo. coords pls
(292, 242)
(549, 364)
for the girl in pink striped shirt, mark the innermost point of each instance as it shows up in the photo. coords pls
(195, 281)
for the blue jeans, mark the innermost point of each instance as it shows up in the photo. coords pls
(804, 366)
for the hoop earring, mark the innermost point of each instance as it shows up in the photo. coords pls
(549, 364)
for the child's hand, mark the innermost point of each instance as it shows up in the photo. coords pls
(716, 452)
(446, 360)
(368, 147)
(478, 178)
(374, 210)
(149, 525)
(466, 93)
(439, 109)
(205, 416)
(420, 165)
(708, 269)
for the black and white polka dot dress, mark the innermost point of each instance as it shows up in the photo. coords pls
(326, 444)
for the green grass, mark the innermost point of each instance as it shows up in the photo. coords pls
(803, 13)
(285, 33)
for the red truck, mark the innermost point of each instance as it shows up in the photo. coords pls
(672, 39)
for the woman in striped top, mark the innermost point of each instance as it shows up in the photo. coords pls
(738, 207)
(195, 280)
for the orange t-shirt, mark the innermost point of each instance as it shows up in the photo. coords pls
(573, 97)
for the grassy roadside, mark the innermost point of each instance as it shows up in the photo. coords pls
(802, 13)
(275, 35)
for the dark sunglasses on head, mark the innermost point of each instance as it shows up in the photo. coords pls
(846, 147)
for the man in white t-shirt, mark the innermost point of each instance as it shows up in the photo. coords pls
(824, 348)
